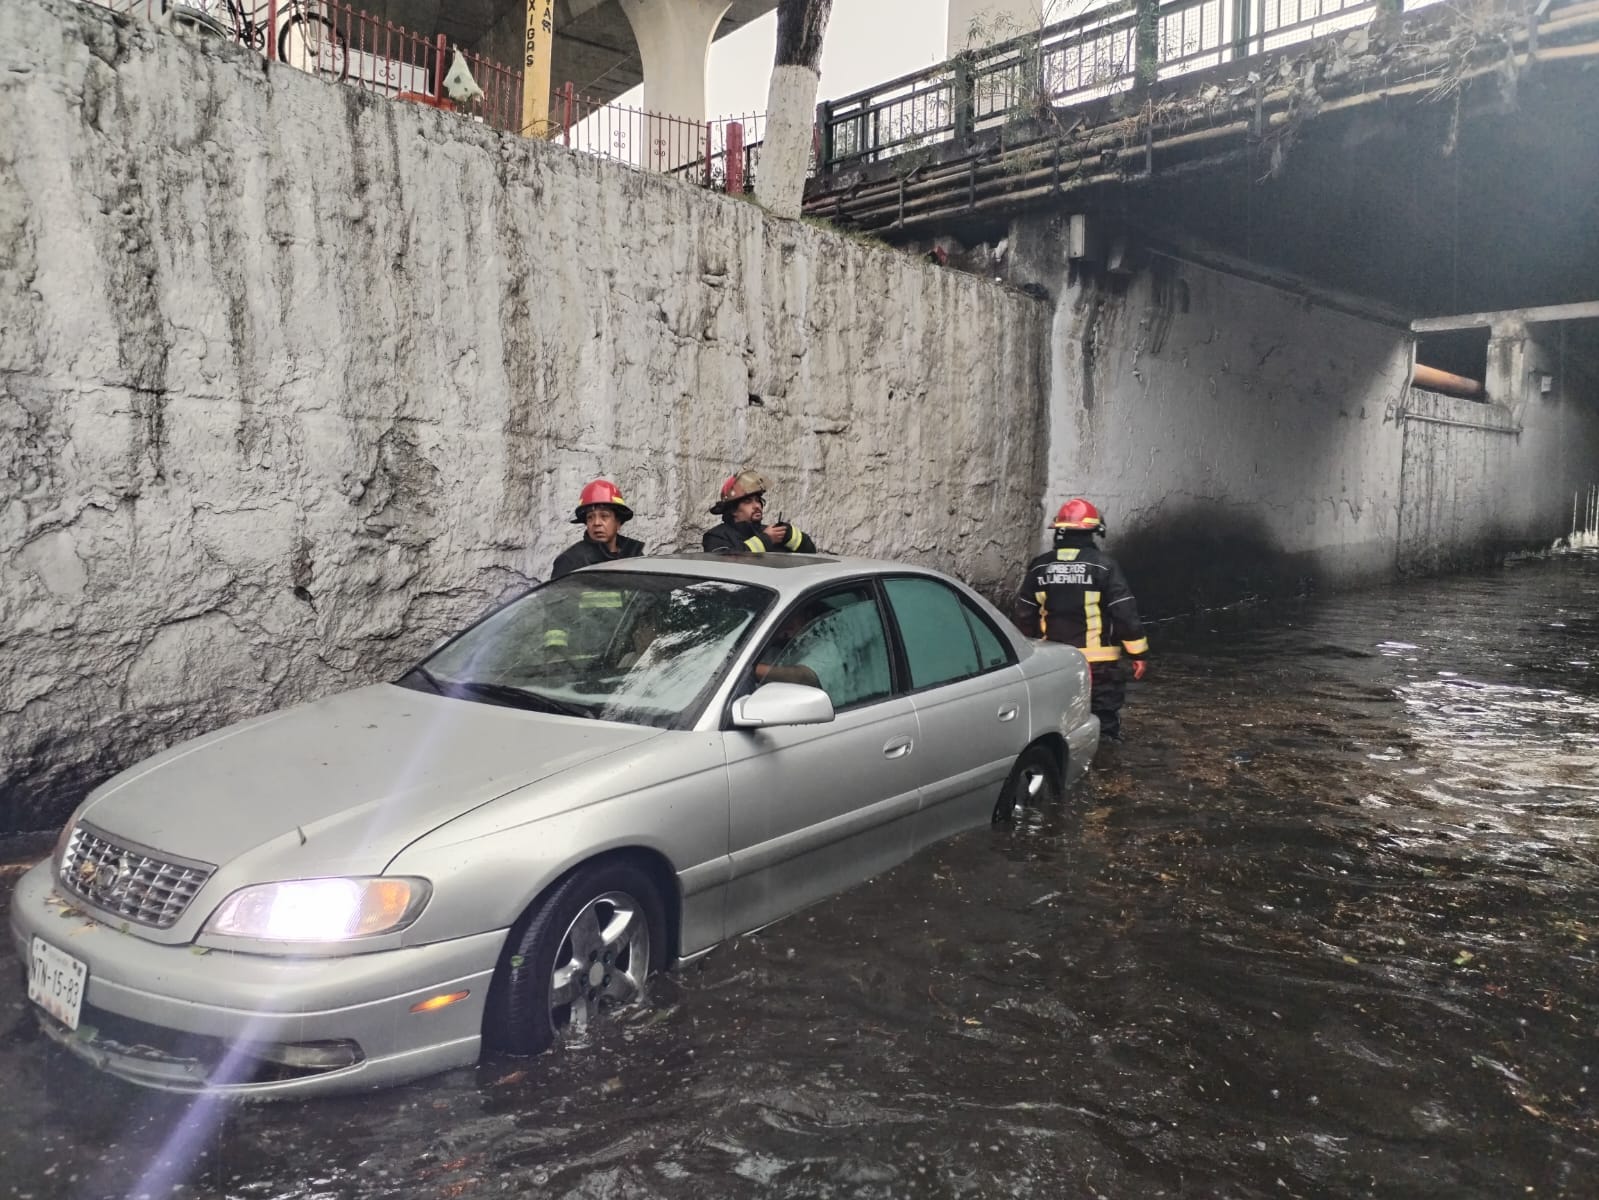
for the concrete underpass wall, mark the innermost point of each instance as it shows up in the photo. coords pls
(1244, 441)
(1241, 443)
(294, 380)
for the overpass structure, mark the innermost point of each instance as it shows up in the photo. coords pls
(1324, 273)
(1419, 163)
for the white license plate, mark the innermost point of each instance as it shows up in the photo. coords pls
(56, 982)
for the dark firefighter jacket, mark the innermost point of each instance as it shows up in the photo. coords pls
(1078, 595)
(745, 537)
(587, 553)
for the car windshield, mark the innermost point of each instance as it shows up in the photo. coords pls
(616, 646)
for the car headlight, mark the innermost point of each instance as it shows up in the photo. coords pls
(320, 910)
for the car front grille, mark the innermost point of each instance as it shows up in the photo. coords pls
(129, 880)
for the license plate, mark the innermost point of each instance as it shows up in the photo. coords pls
(56, 982)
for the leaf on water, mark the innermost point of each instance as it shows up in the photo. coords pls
(513, 1077)
(971, 1020)
(517, 960)
(1351, 960)
(1464, 957)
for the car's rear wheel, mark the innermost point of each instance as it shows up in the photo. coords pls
(584, 951)
(1034, 782)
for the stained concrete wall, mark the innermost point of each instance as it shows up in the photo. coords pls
(1244, 441)
(293, 380)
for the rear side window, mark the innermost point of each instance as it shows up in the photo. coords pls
(944, 639)
(990, 650)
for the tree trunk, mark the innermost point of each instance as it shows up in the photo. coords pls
(791, 105)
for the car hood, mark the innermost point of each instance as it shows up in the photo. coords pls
(342, 784)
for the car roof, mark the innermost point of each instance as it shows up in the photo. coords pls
(788, 574)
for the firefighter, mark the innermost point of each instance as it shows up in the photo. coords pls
(602, 512)
(742, 507)
(1077, 594)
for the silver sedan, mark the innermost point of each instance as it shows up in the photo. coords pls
(612, 773)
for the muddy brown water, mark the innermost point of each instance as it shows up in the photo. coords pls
(1326, 925)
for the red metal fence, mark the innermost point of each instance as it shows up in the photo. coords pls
(344, 44)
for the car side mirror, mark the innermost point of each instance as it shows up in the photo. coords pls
(782, 704)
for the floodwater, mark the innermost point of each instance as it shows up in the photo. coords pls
(1326, 925)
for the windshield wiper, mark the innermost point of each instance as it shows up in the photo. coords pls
(426, 676)
(515, 697)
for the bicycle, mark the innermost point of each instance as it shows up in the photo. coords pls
(307, 38)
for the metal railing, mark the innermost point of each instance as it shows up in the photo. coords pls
(694, 150)
(1089, 57)
(343, 44)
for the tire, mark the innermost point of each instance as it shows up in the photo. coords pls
(310, 43)
(1035, 781)
(549, 979)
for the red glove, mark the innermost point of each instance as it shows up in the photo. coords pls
(1140, 668)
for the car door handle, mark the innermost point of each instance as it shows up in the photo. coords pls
(1007, 712)
(897, 747)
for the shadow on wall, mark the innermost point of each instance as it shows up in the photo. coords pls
(48, 779)
(1206, 558)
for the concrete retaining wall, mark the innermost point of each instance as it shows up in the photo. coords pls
(293, 380)
(1244, 441)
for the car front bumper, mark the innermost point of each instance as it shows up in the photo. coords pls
(184, 1018)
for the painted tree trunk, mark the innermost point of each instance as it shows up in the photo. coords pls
(791, 105)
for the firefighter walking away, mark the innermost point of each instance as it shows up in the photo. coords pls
(1077, 594)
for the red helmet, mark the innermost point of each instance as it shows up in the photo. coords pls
(601, 491)
(1078, 513)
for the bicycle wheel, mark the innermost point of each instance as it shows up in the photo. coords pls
(310, 43)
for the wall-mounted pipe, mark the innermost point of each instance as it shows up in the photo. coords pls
(1447, 382)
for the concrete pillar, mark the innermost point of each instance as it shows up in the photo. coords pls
(674, 41)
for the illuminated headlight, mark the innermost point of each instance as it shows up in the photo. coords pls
(320, 910)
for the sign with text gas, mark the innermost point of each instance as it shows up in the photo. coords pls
(539, 36)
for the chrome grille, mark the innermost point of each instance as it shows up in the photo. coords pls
(129, 880)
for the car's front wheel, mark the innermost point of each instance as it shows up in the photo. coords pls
(1035, 782)
(585, 950)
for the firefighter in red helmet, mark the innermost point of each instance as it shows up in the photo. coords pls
(602, 512)
(742, 507)
(1077, 594)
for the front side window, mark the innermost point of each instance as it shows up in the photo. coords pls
(835, 642)
(617, 646)
(944, 638)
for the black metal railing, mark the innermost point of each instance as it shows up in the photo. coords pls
(1092, 56)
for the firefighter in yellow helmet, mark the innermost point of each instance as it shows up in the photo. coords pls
(602, 512)
(742, 507)
(1077, 594)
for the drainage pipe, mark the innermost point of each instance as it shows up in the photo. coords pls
(1450, 384)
